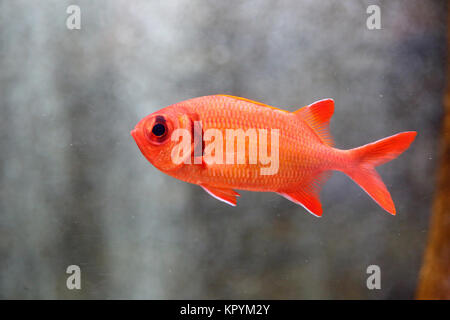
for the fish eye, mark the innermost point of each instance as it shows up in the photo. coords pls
(159, 129)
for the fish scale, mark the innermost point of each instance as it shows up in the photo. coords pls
(229, 113)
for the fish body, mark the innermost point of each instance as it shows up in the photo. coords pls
(299, 143)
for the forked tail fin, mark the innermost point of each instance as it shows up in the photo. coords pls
(367, 157)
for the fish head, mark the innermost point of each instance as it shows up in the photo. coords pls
(153, 135)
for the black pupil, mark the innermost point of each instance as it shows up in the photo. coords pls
(158, 129)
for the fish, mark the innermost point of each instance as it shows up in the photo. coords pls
(301, 150)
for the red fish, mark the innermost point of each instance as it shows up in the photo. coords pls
(300, 146)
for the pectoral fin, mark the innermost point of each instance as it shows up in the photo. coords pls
(223, 194)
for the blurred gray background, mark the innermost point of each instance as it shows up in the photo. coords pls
(75, 189)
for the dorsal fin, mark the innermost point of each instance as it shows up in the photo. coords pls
(317, 115)
(252, 101)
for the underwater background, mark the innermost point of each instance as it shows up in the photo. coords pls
(75, 189)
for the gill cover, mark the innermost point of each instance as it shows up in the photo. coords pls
(185, 142)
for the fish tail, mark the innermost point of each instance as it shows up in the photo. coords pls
(364, 159)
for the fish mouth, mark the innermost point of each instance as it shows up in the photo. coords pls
(137, 136)
(134, 134)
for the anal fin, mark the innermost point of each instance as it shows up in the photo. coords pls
(223, 194)
(307, 199)
(307, 194)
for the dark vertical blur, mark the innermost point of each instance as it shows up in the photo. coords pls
(435, 272)
(74, 188)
